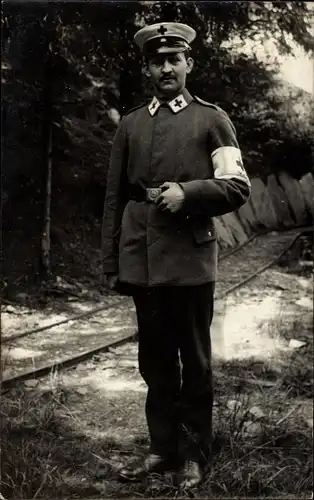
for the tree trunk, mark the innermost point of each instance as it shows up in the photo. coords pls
(45, 238)
(130, 75)
(45, 247)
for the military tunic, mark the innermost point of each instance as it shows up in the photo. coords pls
(186, 141)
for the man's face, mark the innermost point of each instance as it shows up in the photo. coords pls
(168, 72)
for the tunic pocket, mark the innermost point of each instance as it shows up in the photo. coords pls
(204, 234)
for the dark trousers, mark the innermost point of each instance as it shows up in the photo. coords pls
(173, 324)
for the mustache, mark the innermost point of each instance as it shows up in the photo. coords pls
(164, 78)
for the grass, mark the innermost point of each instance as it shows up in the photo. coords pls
(265, 453)
(39, 451)
(43, 458)
(291, 373)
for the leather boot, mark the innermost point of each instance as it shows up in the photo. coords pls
(152, 463)
(191, 475)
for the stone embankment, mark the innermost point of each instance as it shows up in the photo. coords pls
(279, 202)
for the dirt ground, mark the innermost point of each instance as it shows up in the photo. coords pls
(247, 325)
(89, 421)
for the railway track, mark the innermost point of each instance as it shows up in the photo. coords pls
(82, 336)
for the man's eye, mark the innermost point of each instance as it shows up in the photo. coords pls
(171, 60)
(157, 60)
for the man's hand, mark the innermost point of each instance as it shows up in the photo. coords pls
(112, 280)
(171, 198)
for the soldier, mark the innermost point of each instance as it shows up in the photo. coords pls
(175, 164)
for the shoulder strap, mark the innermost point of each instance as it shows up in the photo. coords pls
(205, 103)
(213, 106)
(135, 108)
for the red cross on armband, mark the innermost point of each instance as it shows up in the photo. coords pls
(240, 164)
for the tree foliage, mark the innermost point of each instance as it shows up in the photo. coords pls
(96, 74)
(96, 66)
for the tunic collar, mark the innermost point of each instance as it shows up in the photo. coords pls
(176, 105)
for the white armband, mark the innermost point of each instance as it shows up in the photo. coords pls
(227, 163)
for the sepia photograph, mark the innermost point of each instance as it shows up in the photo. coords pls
(157, 247)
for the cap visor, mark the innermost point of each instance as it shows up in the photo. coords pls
(167, 50)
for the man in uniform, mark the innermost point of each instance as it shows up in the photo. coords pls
(175, 164)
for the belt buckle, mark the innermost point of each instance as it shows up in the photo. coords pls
(152, 194)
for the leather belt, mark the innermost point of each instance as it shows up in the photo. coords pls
(138, 193)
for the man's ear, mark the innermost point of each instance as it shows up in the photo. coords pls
(189, 64)
(145, 70)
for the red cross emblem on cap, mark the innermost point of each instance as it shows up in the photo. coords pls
(162, 30)
(178, 32)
